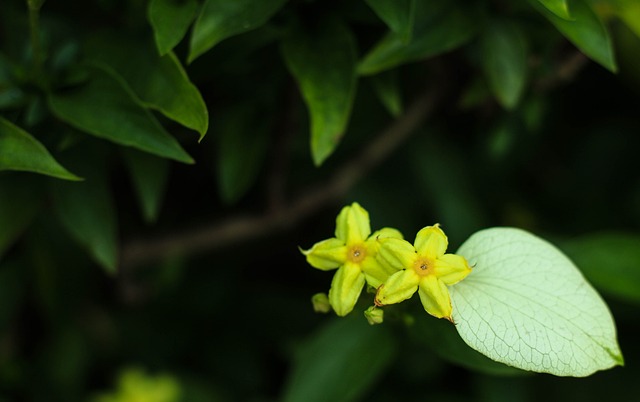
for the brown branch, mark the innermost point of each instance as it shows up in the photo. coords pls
(243, 228)
(566, 71)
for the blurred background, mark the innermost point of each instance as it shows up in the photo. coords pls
(159, 279)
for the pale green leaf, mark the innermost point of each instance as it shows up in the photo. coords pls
(586, 31)
(149, 175)
(160, 82)
(438, 28)
(323, 63)
(220, 19)
(241, 150)
(340, 362)
(105, 107)
(87, 211)
(610, 260)
(629, 12)
(526, 305)
(397, 14)
(20, 151)
(170, 20)
(558, 7)
(504, 59)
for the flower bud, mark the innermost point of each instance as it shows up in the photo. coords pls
(320, 303)
(374, 315)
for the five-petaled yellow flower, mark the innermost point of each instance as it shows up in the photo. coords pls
(353, 252)
(424, 267)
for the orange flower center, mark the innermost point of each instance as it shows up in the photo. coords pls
(357, 253)
(423, 266)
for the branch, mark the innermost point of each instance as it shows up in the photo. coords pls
(243, 228)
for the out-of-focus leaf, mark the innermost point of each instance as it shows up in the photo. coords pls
(611, 261)
(526, 304)
(586, 31)
(170, 20)
(220, 19)
(149, 176)
(323, 63)
(241, 151)
(11, 290)
(558, 7)
(629, 12)
(504, 59)
(20, 151)
(441, 336)
(160, 82)
(107, 108)
(387, 88)
(19, 203)
(87, 211)
(340, 362)
(438, 28)
(397, 14)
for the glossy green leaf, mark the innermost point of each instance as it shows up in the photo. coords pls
(20, 201)
(525, 304)
(558, 7)
(106, 107)
(586, 31)
(87, 212)
(387, 87)
(323, 63)
(340, 362)
(504, 59)
(611, 261)
(438, 28)
(20, 151)
(441, 336)
(397, 14)
(220, 19)
(170, 20)
(149, 175)
(241, 150)
(160, 82)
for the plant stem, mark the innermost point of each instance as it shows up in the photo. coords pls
(34, 28)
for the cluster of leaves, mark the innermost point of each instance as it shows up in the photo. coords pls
(105, 107)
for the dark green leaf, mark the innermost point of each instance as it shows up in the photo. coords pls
(558, 7)
(445, 341)
(387, 88)
(611, 261)
(149, 176)
(107, 108)
(586, 31)
(12, 288)
(397, 14)
(438, 28)
(160, 82)
(87, 212)
(220, 19)
(241, 150)
(170, 20)
(323, 64)
(20, 151)
(340, 362)
(504, 59)
(20, 201)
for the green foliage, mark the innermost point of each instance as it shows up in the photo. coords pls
(472, 114)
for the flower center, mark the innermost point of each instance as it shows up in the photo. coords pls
(357, 253)
(423, 266)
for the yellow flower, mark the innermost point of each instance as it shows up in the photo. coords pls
(424, 267)
(353, 252)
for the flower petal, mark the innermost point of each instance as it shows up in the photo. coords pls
(451, 268)
(435, 298)
(352, 224)
(398, 253)
(327, 254)
(431, 242)
(346, 287)
(386, 232)
(376, 271)
(399, 287)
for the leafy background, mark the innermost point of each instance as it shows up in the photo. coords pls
(162, 161)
